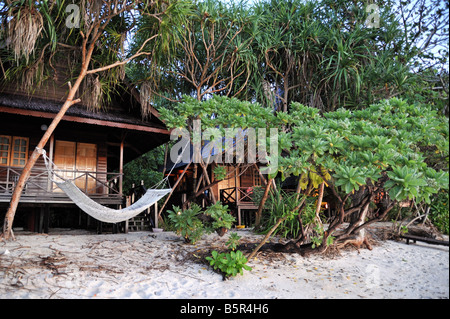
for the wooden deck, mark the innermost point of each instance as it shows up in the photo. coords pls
(100, 186)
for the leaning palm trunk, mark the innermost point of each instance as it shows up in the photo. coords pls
(263, 202)
(278, 223)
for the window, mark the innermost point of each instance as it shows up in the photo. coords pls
(13, 150)
(19, 154)
(256, 178)
(5, 145)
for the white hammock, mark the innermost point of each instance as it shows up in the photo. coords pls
(106, 214)
(100, 212)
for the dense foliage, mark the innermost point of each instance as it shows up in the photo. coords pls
(360, 147)
(323, 54)
(381, 155)
(439, 212)
(145, 169)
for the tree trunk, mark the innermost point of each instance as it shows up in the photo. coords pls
(358, 236)
(319, 203)
(282, 219)
(9, 218)
(278, 223)
(286, 90)
(263, 202)
(194, 177)
(208, 181)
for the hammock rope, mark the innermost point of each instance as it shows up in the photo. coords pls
(94, 209)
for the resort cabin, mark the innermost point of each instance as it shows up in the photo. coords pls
(235, 191)
(90, 147)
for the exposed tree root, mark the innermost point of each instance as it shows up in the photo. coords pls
(356, 242)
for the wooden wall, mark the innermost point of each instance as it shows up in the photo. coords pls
(29, 127)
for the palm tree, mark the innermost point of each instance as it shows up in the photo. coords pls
(286, 46)
(209, 54)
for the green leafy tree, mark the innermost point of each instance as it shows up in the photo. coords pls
(366, 153)
(218, 113)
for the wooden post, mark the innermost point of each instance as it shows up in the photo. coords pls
(156, 215)
(236, 192)
(128, 202)
(194, 175)
(173, 188)
(50, 155)
(239, 215)
(121, 167)
(46, 218)
(41, 220)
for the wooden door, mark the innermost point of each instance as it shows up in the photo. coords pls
(76, 161)
(64, 160)
(86, 162)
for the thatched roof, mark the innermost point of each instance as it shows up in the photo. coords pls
(113, 114)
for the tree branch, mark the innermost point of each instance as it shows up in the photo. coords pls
(138, 53)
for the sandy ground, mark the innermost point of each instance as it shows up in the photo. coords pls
(76, 264)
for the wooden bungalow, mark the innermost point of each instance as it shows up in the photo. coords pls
(91, 147)
(235, 191)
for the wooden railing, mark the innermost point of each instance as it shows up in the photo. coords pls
(96, 184)
(237, 195)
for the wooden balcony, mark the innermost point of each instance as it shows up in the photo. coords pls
(103, 187)
(238, 197)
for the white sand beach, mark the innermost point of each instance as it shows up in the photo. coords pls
(77, 264)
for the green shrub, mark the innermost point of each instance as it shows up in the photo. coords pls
(220, 215)
(439, 212)
(280, 203)
(187, 223)
(233, 241)
(230, 264)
